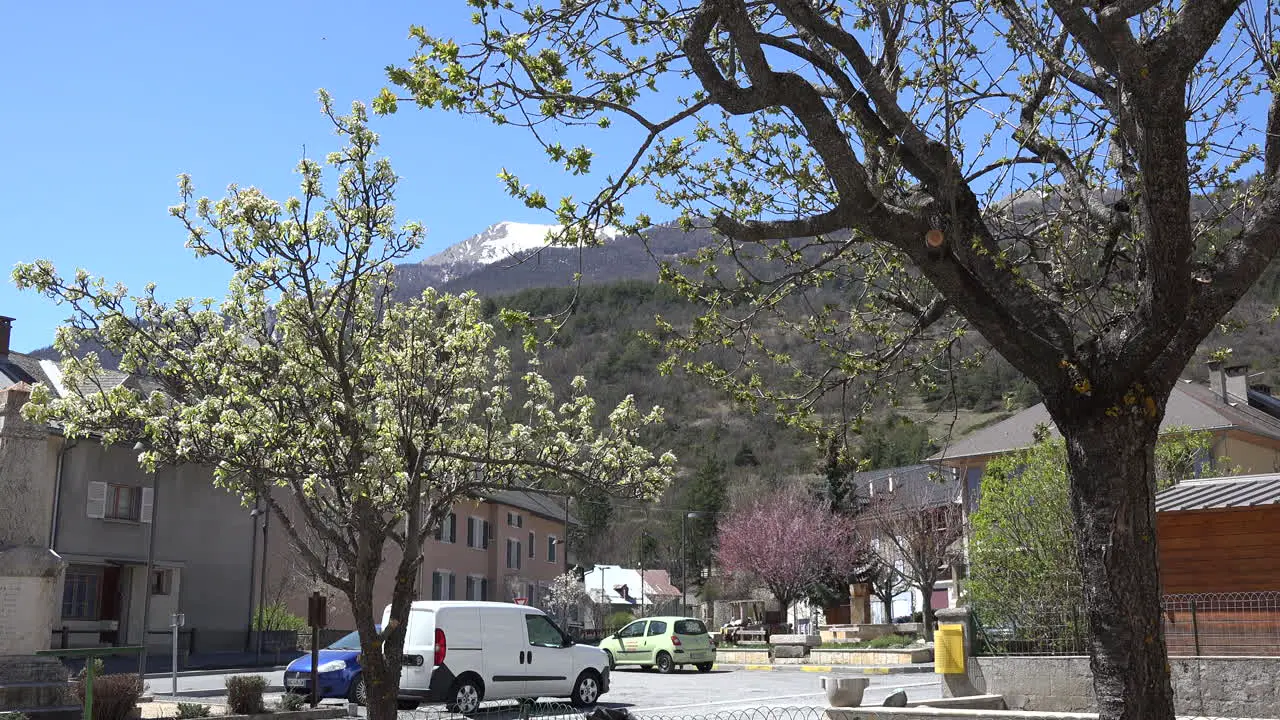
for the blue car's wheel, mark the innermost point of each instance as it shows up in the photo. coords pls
(357, 694)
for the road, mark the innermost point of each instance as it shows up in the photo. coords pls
(648, 693)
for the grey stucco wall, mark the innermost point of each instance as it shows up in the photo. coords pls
(201, 529)
(1230, 687)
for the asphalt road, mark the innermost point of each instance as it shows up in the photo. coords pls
(649, 693)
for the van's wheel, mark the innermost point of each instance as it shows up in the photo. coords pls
(465, 695)
(358, 693)
(613, 664)
(705, 667)
(587, 690)
(665, 663)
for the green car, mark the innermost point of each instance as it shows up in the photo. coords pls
(662, 642)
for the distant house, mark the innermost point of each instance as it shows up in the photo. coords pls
(626, 589)
(1244, 420)
(99, 510)
(506, 547)
(916, 489)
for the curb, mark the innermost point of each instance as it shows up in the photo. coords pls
(209, 693)
(850, 669)
(215, 671)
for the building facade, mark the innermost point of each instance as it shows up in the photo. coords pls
(107, 517)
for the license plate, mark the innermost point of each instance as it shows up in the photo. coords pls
(295, 682)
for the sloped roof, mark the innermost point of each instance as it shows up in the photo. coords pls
(1215, 493)
(547, 506)
(1190, 405)
(17, 367)
(915, 485)
(610, 579)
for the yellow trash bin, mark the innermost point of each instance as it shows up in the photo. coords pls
(948, 650)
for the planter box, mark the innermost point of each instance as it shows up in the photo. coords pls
(317, 714)
(743, 657)
(906, 656)
(855, 633)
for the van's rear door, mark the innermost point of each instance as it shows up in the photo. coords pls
(419, 650)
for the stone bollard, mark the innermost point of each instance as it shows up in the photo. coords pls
(844, 691)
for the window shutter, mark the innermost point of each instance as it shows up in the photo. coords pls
(471, 532)
(453, 528)
(488, 534)
(97, 506)
(484, 588)
(531, 544)
(453, 586)
(148, 502)
(519, 555)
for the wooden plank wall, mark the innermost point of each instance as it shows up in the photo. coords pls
(1218, 551)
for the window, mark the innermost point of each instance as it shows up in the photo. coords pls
(531, 545)
(80, 592)
(657, 627)
(690, 627)
(448, 530)
(477, 533)
(551, 548)
(477, 588)
(542, 632)
(161, 582)
(513, 554)
(635, 629)
(515, 520)
(442, 585)
(124, 502)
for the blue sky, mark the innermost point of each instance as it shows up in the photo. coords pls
(105, 103)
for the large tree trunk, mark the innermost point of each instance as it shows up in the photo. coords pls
(1112, 467)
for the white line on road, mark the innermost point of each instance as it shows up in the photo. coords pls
(781, 697)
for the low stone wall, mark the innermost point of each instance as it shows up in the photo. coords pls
(743, 657)
(824, 656)
(927, 713)
(1231, 687)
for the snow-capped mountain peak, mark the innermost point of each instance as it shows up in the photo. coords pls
(506, 240)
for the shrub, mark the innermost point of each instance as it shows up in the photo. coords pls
(244, 694)
(890, 641)
(617, 620)
(114, 696)
(13, 716)
(192, 710)
(97, 668)
(292, 701)
(276, 616)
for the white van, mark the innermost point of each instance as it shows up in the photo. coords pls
(462, 653)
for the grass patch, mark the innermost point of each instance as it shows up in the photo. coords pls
(884, 642)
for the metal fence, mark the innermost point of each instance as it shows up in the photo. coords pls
(605, 711)
(1223, 623)
(1204, 624)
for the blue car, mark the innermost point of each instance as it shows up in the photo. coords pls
(340, 675)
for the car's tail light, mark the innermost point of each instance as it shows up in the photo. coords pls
(675, 640)
(441, 647)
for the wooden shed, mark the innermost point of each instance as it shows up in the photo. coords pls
(1219, 542)
(1220, 535)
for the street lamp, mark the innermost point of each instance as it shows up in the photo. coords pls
(253, 572)
(684, 558)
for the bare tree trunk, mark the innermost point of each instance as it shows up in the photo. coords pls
(1112, 467)
(926, 609)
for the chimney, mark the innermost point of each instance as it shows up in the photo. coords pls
(1218, 380)
(1236, 378)
(6, 325)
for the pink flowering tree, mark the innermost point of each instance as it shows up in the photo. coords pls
(787, 541)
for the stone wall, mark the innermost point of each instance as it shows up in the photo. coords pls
(1230, 687)
(823, 656)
